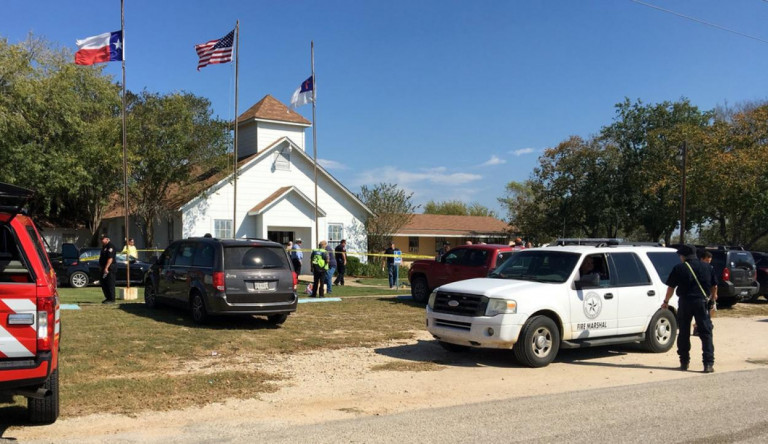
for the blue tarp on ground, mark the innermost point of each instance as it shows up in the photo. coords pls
(69, 306)
(310, 300)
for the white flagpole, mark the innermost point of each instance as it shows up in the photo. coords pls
(237, 70)
(314, 136)
(125, 156)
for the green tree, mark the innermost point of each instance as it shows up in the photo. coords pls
(392, 208)
(59, 131)
(457, 208)
(648, 138)
(734, 176)
(173, 139)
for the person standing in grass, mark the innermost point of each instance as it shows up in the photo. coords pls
(331, 268)
(319, 261)
(391, 267)
(341, 261)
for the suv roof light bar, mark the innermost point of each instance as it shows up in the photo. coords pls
(605, 242)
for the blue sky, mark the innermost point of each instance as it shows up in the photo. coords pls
(448, 99)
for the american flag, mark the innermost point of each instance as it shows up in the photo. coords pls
(215, 51)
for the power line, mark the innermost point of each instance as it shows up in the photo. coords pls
(701, 21)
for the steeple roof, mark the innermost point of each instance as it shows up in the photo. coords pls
(269, 108)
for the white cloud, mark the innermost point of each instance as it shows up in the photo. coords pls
(494, 160)
(522, 151)
(410, 179)
(331, 164)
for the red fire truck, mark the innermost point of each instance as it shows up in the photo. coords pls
(29, 311)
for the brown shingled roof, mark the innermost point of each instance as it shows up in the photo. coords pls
(271, 198)
(442, 225)
(179, 195)
(269, 108)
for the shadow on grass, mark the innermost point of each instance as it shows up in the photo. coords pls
(403, 300)
(431, 351)
(180, 317)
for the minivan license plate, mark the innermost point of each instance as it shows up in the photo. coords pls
(261, 285)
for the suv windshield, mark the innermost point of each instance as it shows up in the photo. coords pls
(254, 257)
(538, 266)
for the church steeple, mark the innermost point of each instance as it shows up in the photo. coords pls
(267, 121)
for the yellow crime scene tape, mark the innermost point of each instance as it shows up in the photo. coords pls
(404, 256)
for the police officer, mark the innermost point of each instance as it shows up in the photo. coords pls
(693, 281)
(108, 267)
(319, 260)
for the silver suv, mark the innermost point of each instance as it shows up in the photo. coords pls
(212, 276)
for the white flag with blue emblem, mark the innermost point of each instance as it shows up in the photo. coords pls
(303, 93)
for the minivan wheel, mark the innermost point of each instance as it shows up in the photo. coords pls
(150, 299)
(46, 410)
(199, 314)
(277, 319)
(78, 279)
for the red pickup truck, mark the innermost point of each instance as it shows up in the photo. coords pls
(459, 263)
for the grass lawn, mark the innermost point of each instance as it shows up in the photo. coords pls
(125, 358)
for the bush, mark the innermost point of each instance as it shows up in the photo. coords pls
(371, 269)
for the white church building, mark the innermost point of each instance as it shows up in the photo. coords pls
(275, 193)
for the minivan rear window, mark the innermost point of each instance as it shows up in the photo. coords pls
(254, 257)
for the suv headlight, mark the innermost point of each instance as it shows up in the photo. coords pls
(500, 306)
(432, 297)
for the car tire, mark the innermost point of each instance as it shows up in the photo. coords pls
(277, 319)
(150, 296)
(420, 289)
(538, 343)
(661, 333)
(46, 410)
(197, 305)
(453, 348)
(78, 279)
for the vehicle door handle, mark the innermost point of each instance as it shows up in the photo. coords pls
(608, 296)
(651, 293)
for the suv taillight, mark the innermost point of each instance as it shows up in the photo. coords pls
(46, 322)
(218, 280)
(726, 274)
(295, 280)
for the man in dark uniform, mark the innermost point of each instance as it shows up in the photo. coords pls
(108, 268)
(341, 260)
(693, 280)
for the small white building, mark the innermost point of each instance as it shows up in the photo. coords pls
(275, 192)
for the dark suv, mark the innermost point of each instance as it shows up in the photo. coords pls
(761, 261)
(736, 274)
(213, 276)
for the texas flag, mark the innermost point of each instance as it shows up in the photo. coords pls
(107, 47)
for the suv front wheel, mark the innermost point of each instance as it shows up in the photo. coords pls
(538, 343)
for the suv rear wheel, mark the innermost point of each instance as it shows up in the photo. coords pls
(661, 333)
(46, 410)
(199, 313)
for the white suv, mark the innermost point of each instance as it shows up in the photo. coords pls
(538, 301)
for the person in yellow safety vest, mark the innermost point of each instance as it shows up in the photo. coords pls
(130, 249)
(319, 260)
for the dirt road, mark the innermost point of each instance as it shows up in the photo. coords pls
(348, 383)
